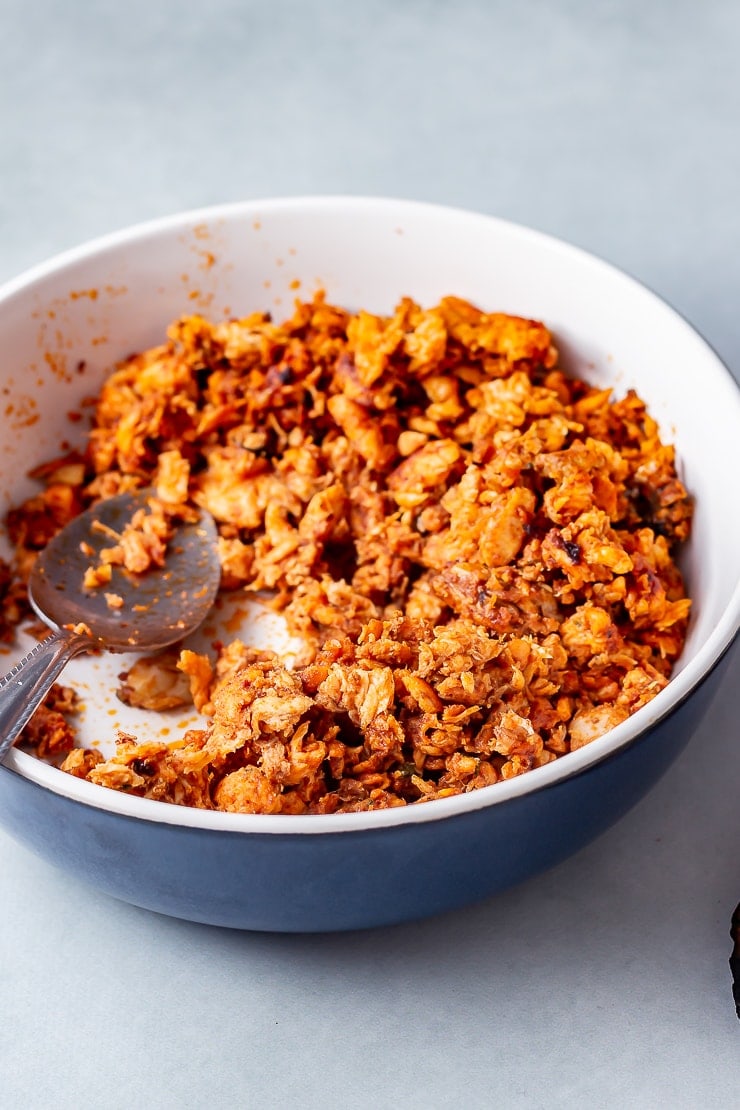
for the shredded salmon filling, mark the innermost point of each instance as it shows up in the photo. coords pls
(476, 549)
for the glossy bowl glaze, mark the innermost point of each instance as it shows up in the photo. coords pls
(63, 326)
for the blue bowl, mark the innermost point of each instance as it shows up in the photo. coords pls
(95, 305)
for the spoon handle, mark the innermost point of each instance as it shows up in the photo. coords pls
(24, 688)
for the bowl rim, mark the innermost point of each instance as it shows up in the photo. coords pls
(624, 735)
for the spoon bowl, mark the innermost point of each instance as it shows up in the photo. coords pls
(152, 611)
(158, 608)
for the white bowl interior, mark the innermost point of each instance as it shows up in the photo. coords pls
(65, 324)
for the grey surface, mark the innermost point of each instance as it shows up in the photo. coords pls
(614, 125)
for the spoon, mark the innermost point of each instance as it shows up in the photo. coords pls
(159, 607)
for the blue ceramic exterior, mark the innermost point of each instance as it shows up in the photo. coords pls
(348, 880)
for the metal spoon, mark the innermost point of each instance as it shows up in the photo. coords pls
(159, 607)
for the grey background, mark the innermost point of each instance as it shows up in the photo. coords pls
(615, 125)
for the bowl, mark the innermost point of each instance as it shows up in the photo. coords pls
(66, 322)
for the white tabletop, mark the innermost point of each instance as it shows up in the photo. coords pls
(604, 983)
